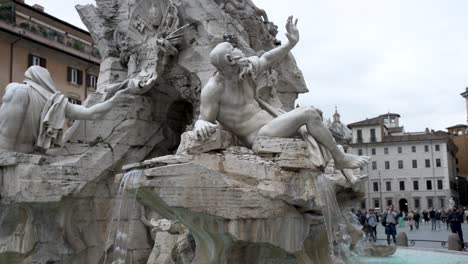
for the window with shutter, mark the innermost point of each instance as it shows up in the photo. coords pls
(74, 76)
(36, 60)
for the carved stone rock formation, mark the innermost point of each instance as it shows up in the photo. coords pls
(56, 207)
(241, 204)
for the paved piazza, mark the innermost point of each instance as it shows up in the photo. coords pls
(424, 233)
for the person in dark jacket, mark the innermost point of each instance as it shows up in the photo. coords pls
(456, 219)
(417, 216)
(425, 217)
(432, 214)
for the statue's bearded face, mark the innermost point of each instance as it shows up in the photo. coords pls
(244, 64)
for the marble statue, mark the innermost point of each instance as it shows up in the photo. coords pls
(229, 98)
(451, 203)
(33, 113)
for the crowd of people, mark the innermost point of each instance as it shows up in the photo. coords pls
(390, 219)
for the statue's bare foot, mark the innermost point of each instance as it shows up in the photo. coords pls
(348, 161)
(353, 178)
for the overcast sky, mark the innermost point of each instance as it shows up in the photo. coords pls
(368, 57)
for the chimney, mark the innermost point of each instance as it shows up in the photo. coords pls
(38, 7)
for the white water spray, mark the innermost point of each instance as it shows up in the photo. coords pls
(120, 224)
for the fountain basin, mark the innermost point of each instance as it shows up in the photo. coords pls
(416, 256)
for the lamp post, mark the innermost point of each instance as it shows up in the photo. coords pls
(380, 189)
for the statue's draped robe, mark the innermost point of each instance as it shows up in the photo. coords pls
(45, 113)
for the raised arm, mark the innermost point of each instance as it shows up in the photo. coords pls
(209, 108)
(278, 53)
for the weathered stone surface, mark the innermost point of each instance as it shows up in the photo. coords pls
(190, 144)
(402, 239)
(234, 197)
(454, 242)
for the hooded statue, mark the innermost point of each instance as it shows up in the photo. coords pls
(33, 113)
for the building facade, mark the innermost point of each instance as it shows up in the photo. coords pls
(408, 170)
(30, 36)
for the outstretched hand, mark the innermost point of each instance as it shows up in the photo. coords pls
(148, 84)
(291, 31)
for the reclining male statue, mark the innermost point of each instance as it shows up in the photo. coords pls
(33, 113)
(229, 98)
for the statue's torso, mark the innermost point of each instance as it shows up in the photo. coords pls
(239, 112)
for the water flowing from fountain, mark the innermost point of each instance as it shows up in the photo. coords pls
(120, 224)
(335, 222)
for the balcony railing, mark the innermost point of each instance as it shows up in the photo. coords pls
(9, 16)
(366, 140)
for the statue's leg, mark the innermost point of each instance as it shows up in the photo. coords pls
(287, 125)
(12, 113)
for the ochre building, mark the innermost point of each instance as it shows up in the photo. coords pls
(30, 36)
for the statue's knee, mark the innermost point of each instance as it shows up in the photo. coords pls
(311, 114)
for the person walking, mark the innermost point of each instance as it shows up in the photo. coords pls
(425, 217)
(401, 219)
(389, 220)
(449, 211)
(437, 218)
(443, 215)
(411, 220)
(372, 225)
(456, 219)
(433, 219)
(417, 216)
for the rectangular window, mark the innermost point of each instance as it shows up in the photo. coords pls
(74, 76)
(360, 152)
(91, 81)
(413, 148)
(417, 203)
(388, 186)
(363, 204)
(375, 186)
(428, 185)
(387, 165)
(389, 202)
(36, 60)
(428, 163)
(372, 135)
(385, 150)
(441, 202)
(437, 148)
(440, 185)
(416, 185)
(402, 185)
(438, 164)
(426, 148)
(415, 164)
(359, 136)
(74, 101)
(376, 203)
(430, 203)
(374, 165)
(373, 151)
(400, 149)
(400, 164)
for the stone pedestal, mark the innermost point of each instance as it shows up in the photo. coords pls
(402, 239)
(454, 242)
